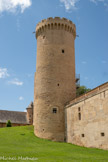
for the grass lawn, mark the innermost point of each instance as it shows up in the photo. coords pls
(20, 142)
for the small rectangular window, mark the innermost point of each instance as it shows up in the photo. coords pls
(102, 134)
(83, 135)
(54, 110)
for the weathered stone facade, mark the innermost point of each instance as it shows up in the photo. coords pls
(86, 119)
(55, 76)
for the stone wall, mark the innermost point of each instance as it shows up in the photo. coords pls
(87, 119)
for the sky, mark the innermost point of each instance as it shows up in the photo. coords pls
(18, 19)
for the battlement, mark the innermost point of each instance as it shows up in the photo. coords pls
(55, 23)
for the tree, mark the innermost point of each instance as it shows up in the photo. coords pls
(81, 90)
(8, 124)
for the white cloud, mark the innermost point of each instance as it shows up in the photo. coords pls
(69, 4)
(104, 62)
(29, 75)
(84, 62)
(13, 5)
(21, 98)
(16, 82)
(3, 73)
(96, 1)
(18, 24)
(105, 2)
(86, 78)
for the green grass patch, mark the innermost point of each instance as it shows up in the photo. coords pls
(20, 142)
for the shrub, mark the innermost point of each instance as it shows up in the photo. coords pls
(8, 124)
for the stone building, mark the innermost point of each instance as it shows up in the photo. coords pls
(17, 118)
(58, 114)
(86, 119)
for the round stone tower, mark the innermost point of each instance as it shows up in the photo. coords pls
(55, 76)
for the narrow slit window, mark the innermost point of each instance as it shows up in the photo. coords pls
(83, 135)
(79, 109)
(104, 94)
(79, 116)
(63, 51)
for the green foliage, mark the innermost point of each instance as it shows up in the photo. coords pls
(21, 141)
(8, 124)
(81, 90)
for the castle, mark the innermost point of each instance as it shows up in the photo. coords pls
(58, 114)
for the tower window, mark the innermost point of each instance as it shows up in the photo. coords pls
(63, 51)
(83, 135)
(44, 37)
(58, 84)
(79, 116)
(102, 134)
(54, 110)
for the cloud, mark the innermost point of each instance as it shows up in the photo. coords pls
(29, 75)
(69, 4)
(104, 62)
(21, 98)
(18, 24)
(16, 82)
(84, 62)
(13, 5)
(96, 1)
(86, 78)
(105, 2)
(3, 73)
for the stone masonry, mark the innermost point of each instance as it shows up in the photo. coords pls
(86, 119)
(55, 76)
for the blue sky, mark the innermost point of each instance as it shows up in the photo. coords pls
(18, 19)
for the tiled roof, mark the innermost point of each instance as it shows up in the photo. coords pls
(13, 116)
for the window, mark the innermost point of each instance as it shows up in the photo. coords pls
(102, 134)
(83, 135)
(58, 84)
(104, 94)
(79, 116)
(63, 51)
(54, 110)
(44, 37)
(79, 109)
